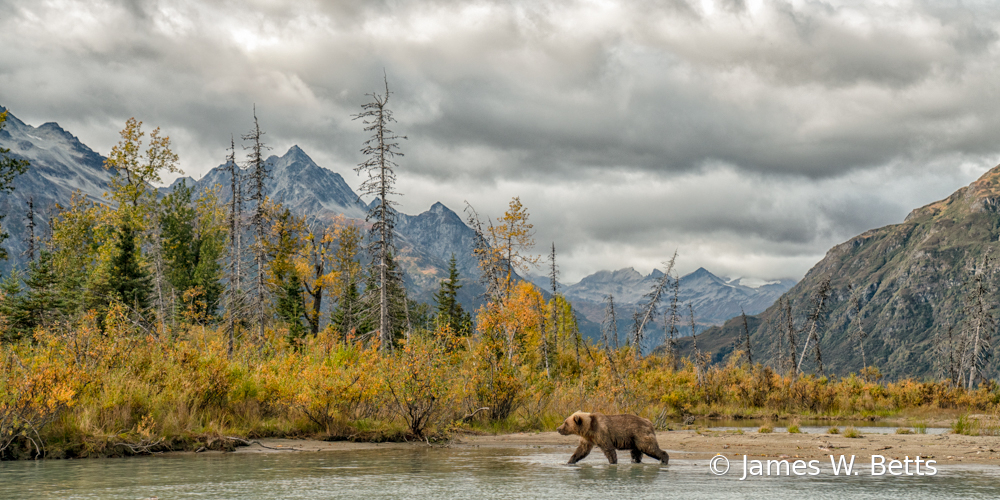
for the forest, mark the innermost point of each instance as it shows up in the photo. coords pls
(182, 322)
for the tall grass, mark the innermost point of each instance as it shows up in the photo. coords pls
(108, 390)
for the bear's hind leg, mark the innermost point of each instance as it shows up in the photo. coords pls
(611, 454)
(653, 450)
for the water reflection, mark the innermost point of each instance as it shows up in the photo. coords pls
(449, 473)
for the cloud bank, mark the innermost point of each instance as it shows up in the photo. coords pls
(751, 136)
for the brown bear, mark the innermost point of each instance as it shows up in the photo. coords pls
(610, 433)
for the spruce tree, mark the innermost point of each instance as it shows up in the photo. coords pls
(290, 306)
(449, 309)
(191, 253)
(16, 321)
(44, 303)
(128, 280)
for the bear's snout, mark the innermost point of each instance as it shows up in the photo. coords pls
(562, 429)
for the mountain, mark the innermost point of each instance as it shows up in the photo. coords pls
(297, 182)
(60, 165)
(425, 242)
(911, 280)
(714, 299)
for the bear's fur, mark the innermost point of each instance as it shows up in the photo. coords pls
(611, 433)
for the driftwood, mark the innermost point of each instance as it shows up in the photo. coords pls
(248, 443)
(473, 414)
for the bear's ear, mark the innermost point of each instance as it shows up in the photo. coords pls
(577, 420)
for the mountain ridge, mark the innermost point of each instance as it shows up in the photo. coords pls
(909, 280)
(60, 163)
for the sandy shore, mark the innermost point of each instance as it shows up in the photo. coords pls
(690, 444)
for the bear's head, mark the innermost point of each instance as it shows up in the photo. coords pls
(577, 423)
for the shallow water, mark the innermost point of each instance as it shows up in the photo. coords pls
(505, 473)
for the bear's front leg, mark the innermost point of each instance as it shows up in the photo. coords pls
(611, 454)
(581, 451)
(636, 456)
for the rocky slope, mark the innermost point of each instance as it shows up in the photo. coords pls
(912, 281)
(60, 165)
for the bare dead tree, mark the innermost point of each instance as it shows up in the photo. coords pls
(815, 319)
(609, 329)
(234, 248)
(30, 225)
(554, 283)
(672, 321)
(379, 164)
(492, 269)
(746, 336)
(258, 175)
(647, 311)
(858, 333)
(159, 273)
(700, 360)
(980, 323)
(947, 361)
(792, 335)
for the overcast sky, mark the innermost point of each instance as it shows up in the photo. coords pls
(750, 136)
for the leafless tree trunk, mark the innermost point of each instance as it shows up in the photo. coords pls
(380, 150)
(792, 336)
(159, 278)
(859, 331)
(746, 336)
(671, 323)
(609, 329)
(700, 360)
(492, 276)
(647, 312)
(257, 167)
(980, 323)
(30, 220)
(815, 323)
(234, 248)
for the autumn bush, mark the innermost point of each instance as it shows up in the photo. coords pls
(110, 388)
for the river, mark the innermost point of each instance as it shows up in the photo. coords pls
(446, 473)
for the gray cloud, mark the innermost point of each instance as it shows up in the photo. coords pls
(752, 135)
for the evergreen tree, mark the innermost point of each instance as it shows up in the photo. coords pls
(16, 321)
(122, 274)
(449, 309)
(285, 243)
(128, 280)
(192, 247)
(180, 252)
(290, 306)
(44, 302)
